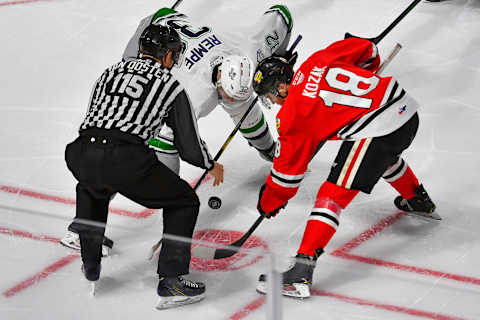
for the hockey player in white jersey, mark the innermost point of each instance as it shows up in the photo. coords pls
(208, 56)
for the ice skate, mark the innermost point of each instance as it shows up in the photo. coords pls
(72, 240)
(296, 281)
(420, 205)
(177, 291)
(92, 274)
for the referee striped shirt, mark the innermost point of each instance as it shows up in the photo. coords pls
(137, 97)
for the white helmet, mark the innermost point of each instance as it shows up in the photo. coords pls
(237, 75)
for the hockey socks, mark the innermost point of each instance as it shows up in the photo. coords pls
(325, 216)
(401, 177)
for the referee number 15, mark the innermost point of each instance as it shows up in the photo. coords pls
(130, 84)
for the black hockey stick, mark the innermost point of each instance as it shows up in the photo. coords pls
(176, 4)
(382, 35)
(227, 141)
(230, 250)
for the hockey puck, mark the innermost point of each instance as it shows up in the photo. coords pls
(214, 202)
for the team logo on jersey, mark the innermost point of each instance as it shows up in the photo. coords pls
(402, 109)
(278, 125)
(299, 77)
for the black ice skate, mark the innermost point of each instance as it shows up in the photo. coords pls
(420, 205)
(92, 274)
(177, 291)
(297, 280)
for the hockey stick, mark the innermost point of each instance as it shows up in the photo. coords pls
(382, 35)
(176, 4)
(389, 58)
(227, 141)
(228, 251)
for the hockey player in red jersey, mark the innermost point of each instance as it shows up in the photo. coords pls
(336, 95)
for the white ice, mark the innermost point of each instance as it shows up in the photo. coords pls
(53, 50)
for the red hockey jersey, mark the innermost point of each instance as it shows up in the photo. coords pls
(335, 94)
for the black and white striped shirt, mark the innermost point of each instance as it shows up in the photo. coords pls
(137, 97)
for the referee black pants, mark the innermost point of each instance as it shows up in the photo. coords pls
(109, 161)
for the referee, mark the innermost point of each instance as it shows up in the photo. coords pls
(129, 104)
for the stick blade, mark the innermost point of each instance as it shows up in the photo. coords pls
(223, 253)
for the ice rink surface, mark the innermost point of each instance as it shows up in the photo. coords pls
(381, 264)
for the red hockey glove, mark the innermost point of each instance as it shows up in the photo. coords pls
(267, 215)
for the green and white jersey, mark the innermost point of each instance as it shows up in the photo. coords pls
(205, 49)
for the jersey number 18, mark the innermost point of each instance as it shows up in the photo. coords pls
(351, 86)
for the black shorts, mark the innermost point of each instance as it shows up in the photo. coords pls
(360, 164)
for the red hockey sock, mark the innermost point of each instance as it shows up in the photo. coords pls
(324, 219)
(401, 177)
(317, 235)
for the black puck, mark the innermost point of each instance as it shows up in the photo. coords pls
(214, 202)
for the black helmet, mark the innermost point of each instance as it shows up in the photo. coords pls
(157, 40)
(270, 72)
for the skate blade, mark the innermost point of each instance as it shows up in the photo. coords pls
(177, 301)
(295, 290)
(93, 288)
(430, 216)
(71, 245)
(154, 249)
(105, 251)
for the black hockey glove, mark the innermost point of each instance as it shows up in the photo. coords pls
(268, 215)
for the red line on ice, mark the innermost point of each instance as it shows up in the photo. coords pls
(366, 235)
(256, 304)
(398, 266)
(41, 275)
(25, 234)
(389, 307)
(343, 252)
(37, 195)
(34, 194)
(249, 308)
(9, 3)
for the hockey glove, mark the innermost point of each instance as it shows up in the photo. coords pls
(267, 215)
